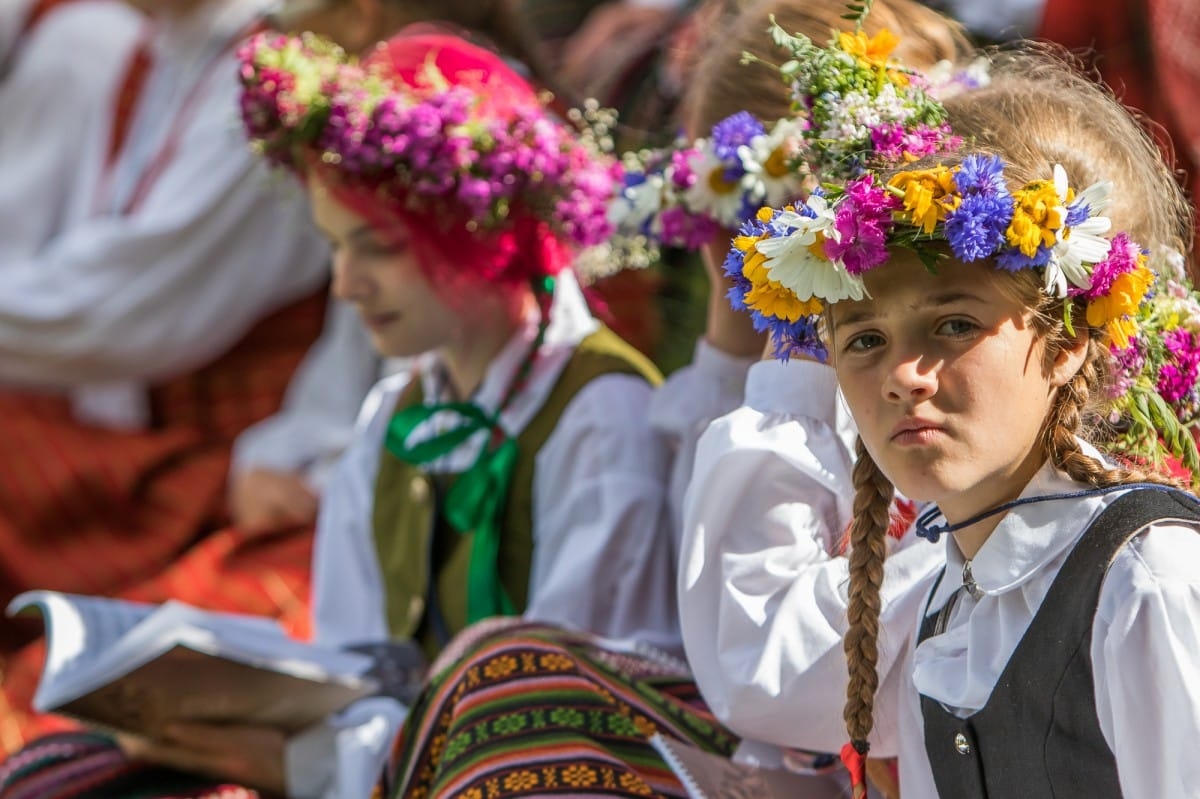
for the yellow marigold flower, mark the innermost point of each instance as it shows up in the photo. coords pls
(773, 300)
(1037, 214)
(929, 194)
(872, 51)
(746, 243)
(1116, 309)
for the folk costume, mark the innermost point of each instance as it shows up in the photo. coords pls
(542, 495)
(1059, 654)
(141, 339)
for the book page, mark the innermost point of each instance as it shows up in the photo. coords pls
(708, 776)
(78, 629)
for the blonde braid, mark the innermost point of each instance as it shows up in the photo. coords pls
(1066, 421)
(868, 549)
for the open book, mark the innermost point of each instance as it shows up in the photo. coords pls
(708, 776)
(134, 668)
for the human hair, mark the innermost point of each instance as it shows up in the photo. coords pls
(1038, 111)
(721, 86)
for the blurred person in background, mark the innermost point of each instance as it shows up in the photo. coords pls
(163, 310)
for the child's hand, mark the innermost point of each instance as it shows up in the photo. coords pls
(264, 501)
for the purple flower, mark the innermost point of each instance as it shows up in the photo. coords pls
(1123, 256)
(679, 228)
(1177, 378)
(733, 132)
(682, 174)
(863, 219)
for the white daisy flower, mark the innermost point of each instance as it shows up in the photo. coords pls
(792, 263)
(768, 179)
(630, 210)
(1082, 244)
(712, 193)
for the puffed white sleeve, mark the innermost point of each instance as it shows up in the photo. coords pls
(1146, 659)
(217, 244)
(762, 594)
(316, 422)
(348, 596)
(683, 407)
(602, 552)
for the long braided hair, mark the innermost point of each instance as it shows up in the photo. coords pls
(1037, 112)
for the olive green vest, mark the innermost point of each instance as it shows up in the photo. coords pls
(411, 538)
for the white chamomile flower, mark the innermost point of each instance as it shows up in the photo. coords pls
(713, 193)
(636, 204)
(769, 180)
(1084, 242)
(793, 261)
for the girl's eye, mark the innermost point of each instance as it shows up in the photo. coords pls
(957, 327)
(863, 342)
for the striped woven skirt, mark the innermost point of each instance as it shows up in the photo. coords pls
(530, 710)
(85, 765)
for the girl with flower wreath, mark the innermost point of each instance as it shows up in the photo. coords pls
(973, 304)
(513, 475)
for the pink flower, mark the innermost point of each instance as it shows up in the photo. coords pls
(863, 219)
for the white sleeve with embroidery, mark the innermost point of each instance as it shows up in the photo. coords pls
(602, 552)
(1146, 662)
(762, 593)
(218, 244)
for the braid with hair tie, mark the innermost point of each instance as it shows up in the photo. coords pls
(868, 549)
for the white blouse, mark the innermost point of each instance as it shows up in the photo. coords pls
(602, 554)
(122, 299)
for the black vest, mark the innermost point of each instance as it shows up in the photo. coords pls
(1038, 736)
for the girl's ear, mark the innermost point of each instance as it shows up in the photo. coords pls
(1070, 357)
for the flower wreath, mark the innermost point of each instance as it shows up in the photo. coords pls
(431, 148)
(855, 108)
(787, 264)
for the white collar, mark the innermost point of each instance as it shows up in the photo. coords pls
(1028, 536)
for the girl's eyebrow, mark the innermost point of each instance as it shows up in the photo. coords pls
(871, 312)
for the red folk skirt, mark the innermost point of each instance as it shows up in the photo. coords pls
(142, 515)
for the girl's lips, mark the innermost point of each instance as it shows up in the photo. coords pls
(377, 321)
(916, 431)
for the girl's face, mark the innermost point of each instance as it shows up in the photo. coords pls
(381, 278)
(948, 381)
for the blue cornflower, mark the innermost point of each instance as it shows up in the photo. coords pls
(733, 132)
(982, 174)
(797, 338)
(1012, 259)
(1077, 213)
(976, 228)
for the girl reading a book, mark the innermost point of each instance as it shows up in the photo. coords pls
(514, 473)
(973, 304)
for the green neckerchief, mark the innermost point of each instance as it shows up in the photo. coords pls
(475, 502)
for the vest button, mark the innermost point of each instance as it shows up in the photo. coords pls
(961, 744)
(419, 489)
(416, 606)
